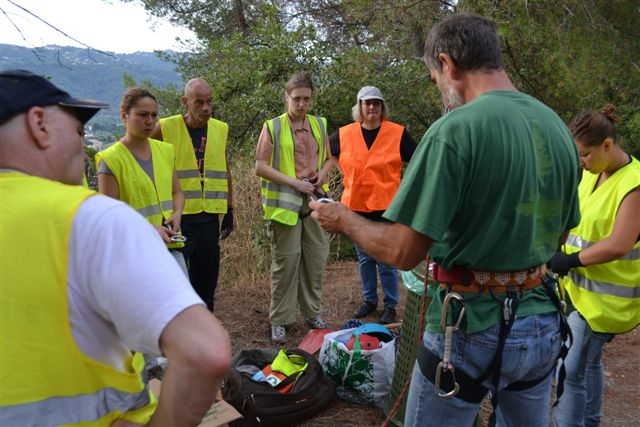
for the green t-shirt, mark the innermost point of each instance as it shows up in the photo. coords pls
(494, 184)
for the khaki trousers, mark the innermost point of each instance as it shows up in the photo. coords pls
(298, 260)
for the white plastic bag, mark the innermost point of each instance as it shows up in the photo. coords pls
(362, 376)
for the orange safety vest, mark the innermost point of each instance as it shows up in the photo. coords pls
(371, 177)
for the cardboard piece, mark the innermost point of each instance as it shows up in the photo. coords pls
(218, 415)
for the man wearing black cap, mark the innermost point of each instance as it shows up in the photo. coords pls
(87, 285)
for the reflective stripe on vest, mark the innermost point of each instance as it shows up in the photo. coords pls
(72, 410)
(607, 295)
(577, 241)
(601, 286)
(281, 203)
(207, 193)
(45, 378)
(152, 199)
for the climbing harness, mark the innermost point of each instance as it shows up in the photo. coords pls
(441, 372)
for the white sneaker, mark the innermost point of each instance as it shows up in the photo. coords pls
(278, 334)
(316, 322)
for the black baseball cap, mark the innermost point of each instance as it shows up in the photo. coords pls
(21, 90)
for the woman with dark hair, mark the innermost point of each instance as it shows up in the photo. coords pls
(600, 263)
(140, 171)
(293, 162)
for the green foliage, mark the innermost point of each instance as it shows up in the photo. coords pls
(247, 73)
(573, 55)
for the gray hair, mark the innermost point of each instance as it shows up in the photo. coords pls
(471, 41)
(188, 88)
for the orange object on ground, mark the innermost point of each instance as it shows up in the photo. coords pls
(312, 342)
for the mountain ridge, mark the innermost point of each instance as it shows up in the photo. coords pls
(88, 73)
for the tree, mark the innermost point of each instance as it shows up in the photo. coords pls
(250, 47)
(574, 55)
(247, 50)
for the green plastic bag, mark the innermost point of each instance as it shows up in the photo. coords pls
(362, 376)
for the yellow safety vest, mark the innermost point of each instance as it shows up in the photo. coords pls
(607, 295)
(45, 378)
(208, 193)
(152, 200)
(282, 203)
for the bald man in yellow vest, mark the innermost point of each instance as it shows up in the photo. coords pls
(201, 163)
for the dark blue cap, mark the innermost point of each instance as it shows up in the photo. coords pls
(21, 90)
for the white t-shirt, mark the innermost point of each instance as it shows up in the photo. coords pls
(124, 286)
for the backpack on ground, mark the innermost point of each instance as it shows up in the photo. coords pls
(263, 403)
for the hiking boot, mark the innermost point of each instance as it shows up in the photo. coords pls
(278, 334)
(316, 322)
(365, 309)
(388, 316)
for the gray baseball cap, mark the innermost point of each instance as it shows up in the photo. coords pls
(370, 92)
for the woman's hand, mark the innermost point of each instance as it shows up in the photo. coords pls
(304, 186)
(173, 222)
(165, 233)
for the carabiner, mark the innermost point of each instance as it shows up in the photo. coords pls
(445, 365)
(445, 310)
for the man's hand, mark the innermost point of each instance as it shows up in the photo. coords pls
(227, 224)
(328, 215)
(561, 263)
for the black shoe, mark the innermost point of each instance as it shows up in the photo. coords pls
(388, 316)
(365, 309)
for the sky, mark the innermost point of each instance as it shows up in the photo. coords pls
(108, 25)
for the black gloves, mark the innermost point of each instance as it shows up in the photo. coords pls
(561, 263)
(227, 224)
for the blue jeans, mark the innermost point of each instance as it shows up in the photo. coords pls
(530, 353)
(579, 405)
(369, 270)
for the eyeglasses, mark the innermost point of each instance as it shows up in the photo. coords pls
(299, 99)
(374, 102)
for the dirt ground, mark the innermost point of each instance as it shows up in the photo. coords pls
(244, 310)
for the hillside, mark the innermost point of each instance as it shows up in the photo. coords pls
(90, 74)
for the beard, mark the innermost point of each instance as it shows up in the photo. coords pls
(451, 98)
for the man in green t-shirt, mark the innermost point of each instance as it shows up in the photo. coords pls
(489, 195)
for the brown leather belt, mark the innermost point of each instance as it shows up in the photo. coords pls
(462, 280)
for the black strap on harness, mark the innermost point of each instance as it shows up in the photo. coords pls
(565, 333)
(471, 390)
(509, 308)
